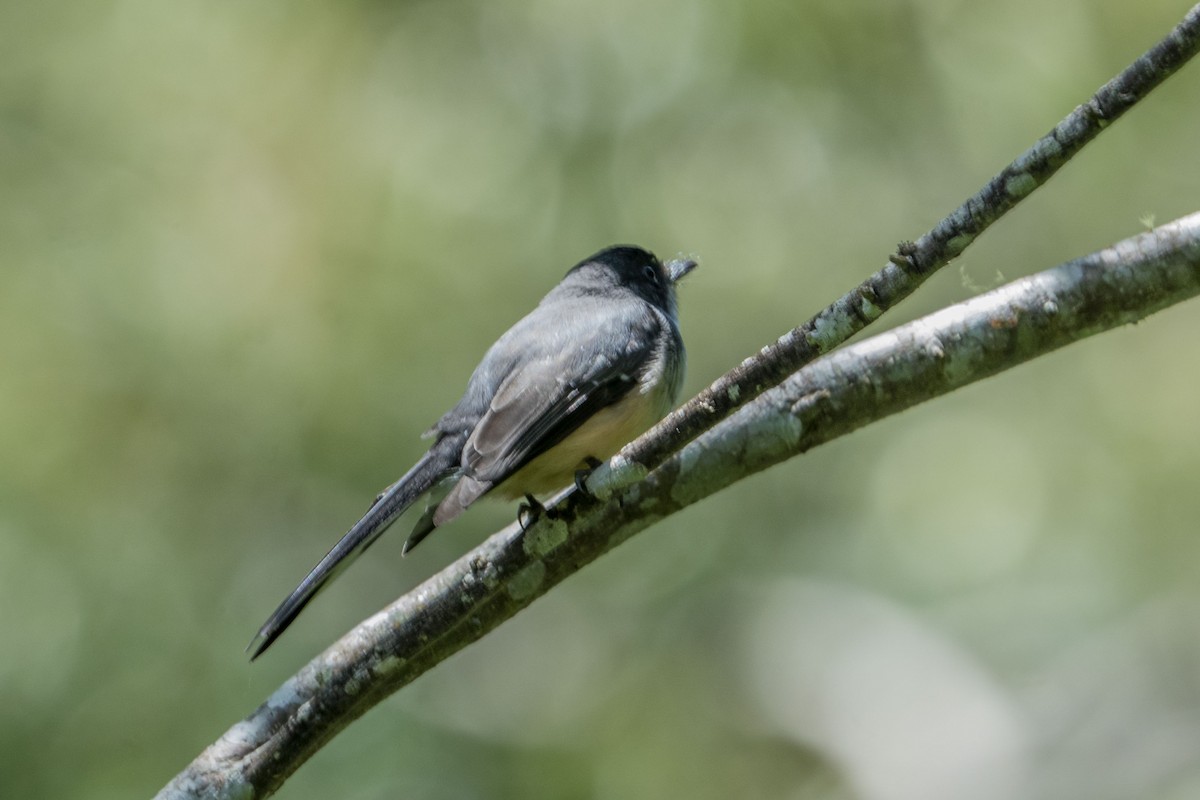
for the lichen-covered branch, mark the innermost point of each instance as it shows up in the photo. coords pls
(826, 399)
(908, 268)
(939, 353)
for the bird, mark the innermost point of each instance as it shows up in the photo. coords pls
(597, 362)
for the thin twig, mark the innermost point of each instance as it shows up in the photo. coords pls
(937, 354)
(907, 269)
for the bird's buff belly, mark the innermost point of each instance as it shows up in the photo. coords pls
(602, 435)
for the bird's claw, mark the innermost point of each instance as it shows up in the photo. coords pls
(581, 475)
(529, 511)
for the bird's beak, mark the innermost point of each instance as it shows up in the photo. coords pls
(678, 267)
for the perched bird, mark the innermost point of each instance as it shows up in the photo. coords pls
(597, 363)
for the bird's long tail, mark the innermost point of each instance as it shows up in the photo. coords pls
(390, 505)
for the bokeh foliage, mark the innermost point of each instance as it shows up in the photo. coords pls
(251, 250)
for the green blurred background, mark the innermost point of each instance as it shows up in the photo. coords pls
(251, 250)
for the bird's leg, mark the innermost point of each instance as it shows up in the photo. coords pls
(581, 475)
(529, 511)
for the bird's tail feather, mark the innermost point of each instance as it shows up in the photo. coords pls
(390, 505)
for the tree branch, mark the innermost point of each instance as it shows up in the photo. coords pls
(907, 269)
(939, 353)
(829, 398)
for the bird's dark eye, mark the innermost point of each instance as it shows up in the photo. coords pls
(651, 273)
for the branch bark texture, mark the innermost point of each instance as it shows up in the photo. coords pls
(908, 268)
(939, 353)
(838, 394)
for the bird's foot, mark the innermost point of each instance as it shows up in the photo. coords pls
(529, 511)
(581, 475)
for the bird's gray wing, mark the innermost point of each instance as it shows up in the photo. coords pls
(546, 397)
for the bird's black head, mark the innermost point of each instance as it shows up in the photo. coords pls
(633, 269)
